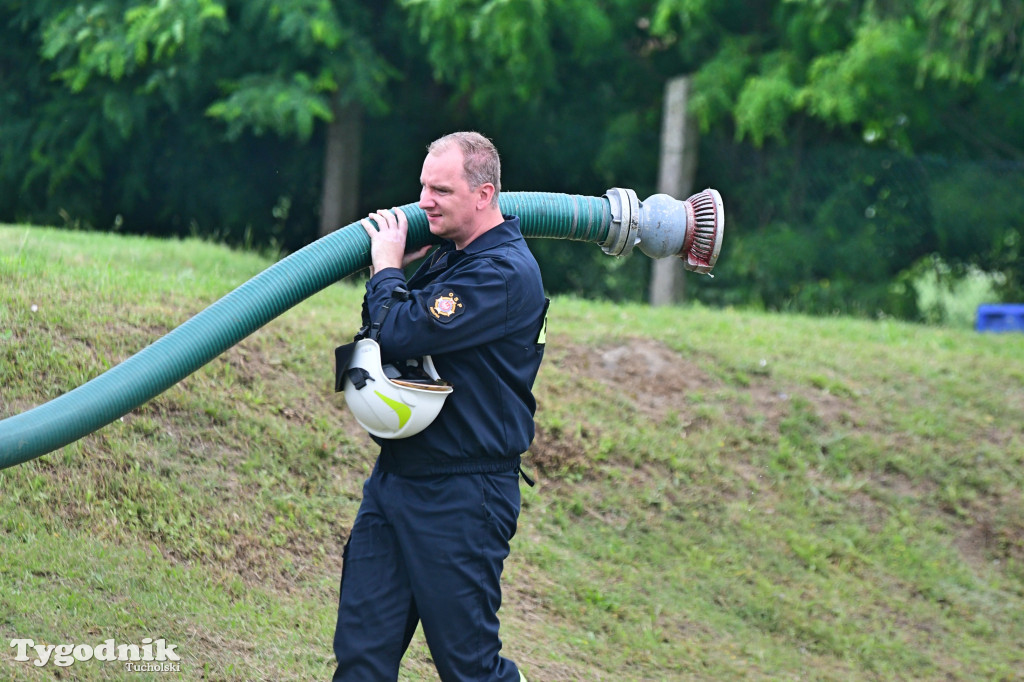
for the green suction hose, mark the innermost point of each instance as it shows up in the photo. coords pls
(212, 331)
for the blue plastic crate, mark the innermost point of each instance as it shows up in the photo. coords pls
(1000, 317)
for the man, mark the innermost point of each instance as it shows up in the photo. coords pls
(441, 506)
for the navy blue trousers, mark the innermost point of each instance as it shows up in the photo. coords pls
(431, 550)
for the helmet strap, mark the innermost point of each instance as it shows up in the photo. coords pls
(343, 354)
(399, 293)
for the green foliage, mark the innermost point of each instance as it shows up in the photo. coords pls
(265, 103)
(585, 270)
(470, 42)
(765, 104)
(688, 14)
(866, 83)
(191, 91)
(967, 39)
(208, 117)
(979, 214)
(945, 297)
(115, 40)
(262, 59)
(500, 54)
(839, 64)
(841, 228)
(719, 81)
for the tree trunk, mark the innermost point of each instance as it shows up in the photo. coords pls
(675, 177)
(340, 197)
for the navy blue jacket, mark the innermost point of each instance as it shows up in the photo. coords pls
(478, 313)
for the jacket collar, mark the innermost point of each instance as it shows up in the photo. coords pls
(496, 236)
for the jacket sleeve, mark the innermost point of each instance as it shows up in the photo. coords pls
(469, 307)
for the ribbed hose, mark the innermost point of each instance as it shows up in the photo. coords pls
(212, 331)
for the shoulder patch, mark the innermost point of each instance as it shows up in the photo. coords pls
(447, 307)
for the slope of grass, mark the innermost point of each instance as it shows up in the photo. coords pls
(722, 494)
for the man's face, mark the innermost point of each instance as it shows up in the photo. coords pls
(446, 197)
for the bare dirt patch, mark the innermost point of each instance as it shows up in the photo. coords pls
(650, 374)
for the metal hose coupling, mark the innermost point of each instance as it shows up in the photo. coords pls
(664, 226)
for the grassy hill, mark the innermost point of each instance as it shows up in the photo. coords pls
(721, 494)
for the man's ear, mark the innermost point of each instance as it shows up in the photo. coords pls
(484, 194)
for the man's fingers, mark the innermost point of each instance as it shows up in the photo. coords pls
(386, 220)
(417, 254)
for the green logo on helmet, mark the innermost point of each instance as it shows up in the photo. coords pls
(401, 409)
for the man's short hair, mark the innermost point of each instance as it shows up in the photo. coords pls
(480, 158)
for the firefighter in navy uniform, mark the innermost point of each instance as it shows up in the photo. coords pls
(441, 506)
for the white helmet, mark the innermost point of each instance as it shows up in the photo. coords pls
(396, 400)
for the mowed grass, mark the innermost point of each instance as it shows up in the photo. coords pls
(721, 494)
